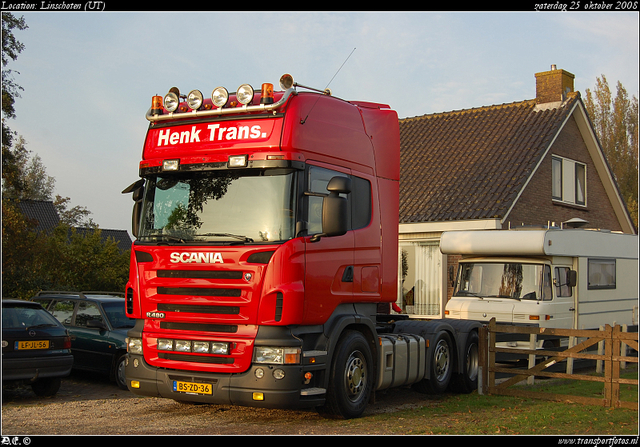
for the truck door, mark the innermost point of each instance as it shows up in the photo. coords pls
(330, 260)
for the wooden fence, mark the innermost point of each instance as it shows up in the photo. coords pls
(539, 360)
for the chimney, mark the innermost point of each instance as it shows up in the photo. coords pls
(553, 86)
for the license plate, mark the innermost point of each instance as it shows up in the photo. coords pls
(37, 344)
(193, 388)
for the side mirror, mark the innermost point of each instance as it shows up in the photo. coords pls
(335, 213)
(572, 278)
(137, 189)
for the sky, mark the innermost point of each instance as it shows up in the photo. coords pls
(88, 78)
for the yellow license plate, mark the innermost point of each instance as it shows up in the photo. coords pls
(36, 344)
(191, 387)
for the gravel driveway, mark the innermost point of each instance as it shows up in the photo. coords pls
(91, 405)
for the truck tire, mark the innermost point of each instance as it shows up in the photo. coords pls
(467, 381)
(351, 378)
(440, 366)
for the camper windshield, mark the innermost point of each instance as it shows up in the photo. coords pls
(504, 280)
(219, 206)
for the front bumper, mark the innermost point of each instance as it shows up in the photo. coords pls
(235, 389)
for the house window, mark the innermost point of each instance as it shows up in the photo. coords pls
(569, 181)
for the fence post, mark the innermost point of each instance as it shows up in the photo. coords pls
(483, 366)
(491, 356)
(623, 349)
(533, 341)
(608, 367)
(615, 366)
(572, 343)
(600, 352)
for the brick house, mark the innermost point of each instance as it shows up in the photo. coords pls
(533, 162)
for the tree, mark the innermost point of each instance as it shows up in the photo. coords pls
(615, 120)
(10, 91)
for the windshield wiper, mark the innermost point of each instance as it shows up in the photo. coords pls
(168, 236)
(235, 236)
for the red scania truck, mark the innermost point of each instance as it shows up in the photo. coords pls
(266, 256)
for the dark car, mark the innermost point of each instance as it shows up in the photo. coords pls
(35, 347)
(98, 327)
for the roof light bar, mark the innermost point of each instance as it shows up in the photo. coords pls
(220, 98)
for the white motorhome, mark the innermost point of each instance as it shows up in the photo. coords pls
(560, 278)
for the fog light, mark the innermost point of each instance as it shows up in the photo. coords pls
(172, 100)
(278, 374)
(244, 94)
(194, 99)
(135, 384)
(259, 373)
(219, 97)
(258, 396)
(136, 363)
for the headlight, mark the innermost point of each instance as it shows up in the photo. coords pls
(172, 100)
(277, 355)
(245, 94)
(134, 345)
(219, 97)
(194, 99)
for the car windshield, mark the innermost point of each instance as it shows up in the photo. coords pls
(20, 317)
(504, 280)
(117, 317)
(220, 206)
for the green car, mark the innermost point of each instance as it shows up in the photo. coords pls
(98, 326)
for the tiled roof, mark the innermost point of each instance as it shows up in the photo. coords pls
(41, 211)
(121, 237)
(471, 164)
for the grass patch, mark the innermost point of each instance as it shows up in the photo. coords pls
(473, 414)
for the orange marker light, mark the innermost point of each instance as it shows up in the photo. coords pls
(267, 94)
(156, 105)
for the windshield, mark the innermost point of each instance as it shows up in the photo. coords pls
(504, 280)
(235, 206)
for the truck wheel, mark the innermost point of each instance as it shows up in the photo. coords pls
(467, 380)
(440, 366)
(351, 378)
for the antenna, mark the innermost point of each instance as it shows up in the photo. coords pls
(326, 89)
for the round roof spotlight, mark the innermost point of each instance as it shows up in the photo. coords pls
(172, 99)
(194, 99)
(244, 94)
(219, 97)
(286, 81)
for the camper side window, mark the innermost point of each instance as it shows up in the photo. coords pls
(602, 274)
(562, 281)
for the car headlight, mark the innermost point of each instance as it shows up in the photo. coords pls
(134, 345)
(276, 355)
